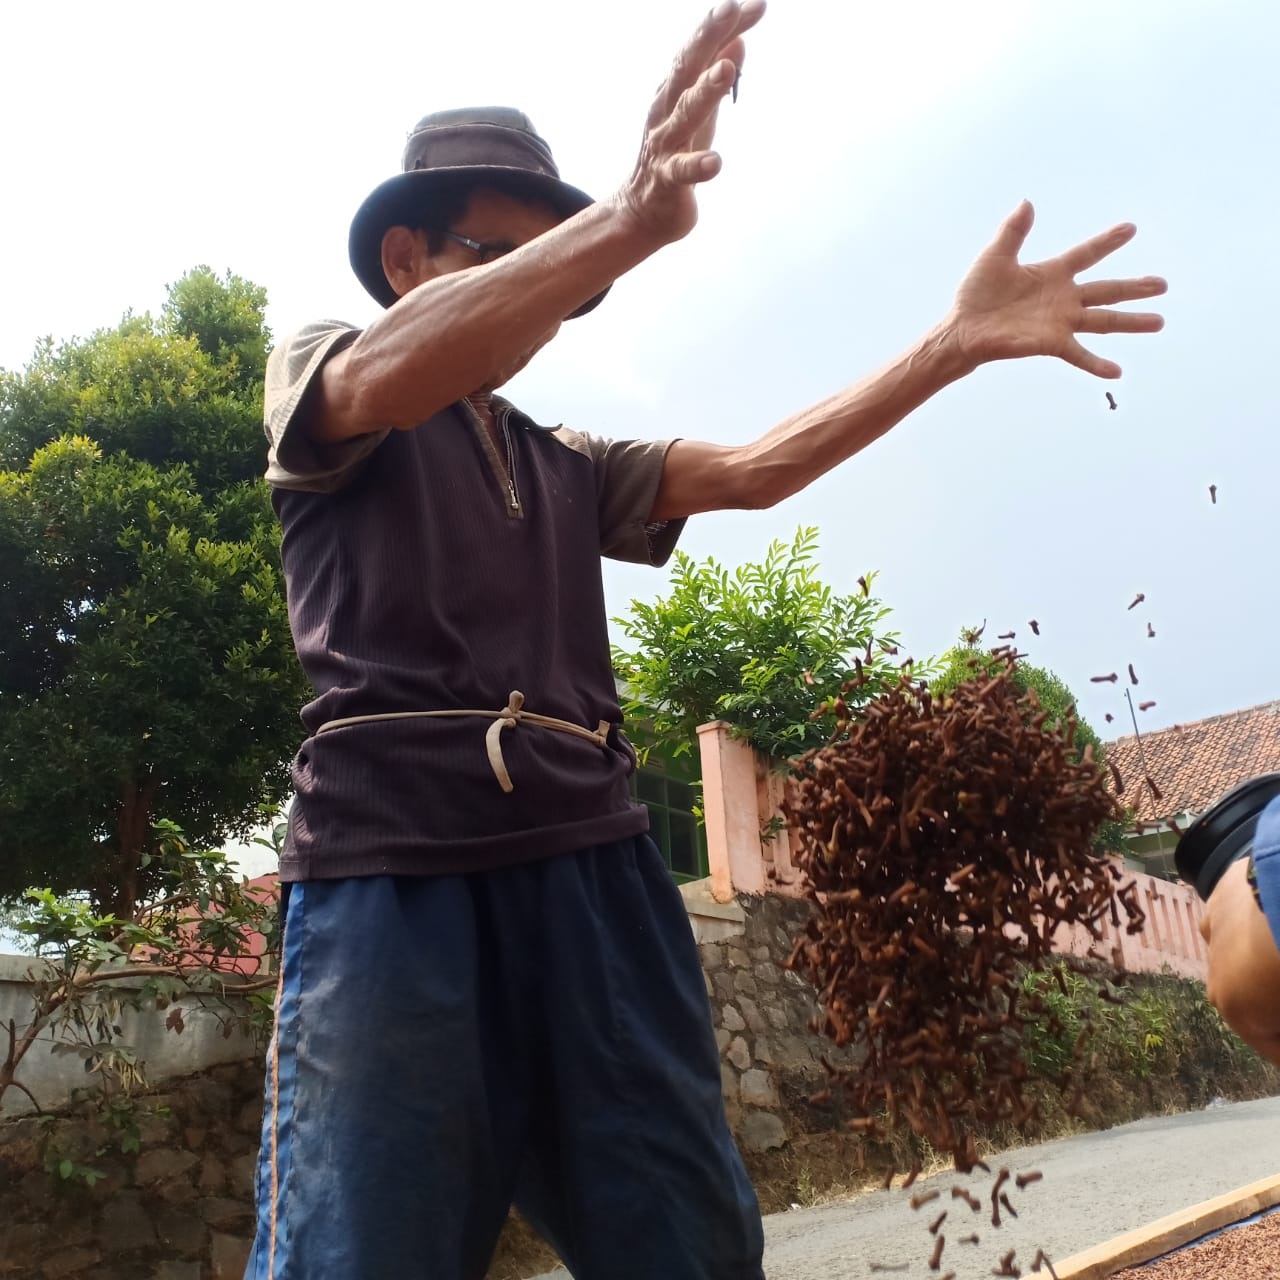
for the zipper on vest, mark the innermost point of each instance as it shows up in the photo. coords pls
(504, 470)
(513, 495)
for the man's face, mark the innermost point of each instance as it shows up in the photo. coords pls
(498, 222)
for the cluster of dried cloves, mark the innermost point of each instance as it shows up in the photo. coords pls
(944, 843)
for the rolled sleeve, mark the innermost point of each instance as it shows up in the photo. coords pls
(294, 461)
(628, 473)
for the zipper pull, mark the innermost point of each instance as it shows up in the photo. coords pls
(515, 502)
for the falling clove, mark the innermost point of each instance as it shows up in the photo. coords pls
(920, 815)
(935, 1261)
(1007, 1267)
(1043, 1258)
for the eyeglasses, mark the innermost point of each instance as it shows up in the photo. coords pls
(486, 252)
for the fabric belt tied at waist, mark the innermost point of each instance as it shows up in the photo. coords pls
(510, 716)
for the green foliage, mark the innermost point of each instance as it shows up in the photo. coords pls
(760, 647)
(1164, 1034)
(225, 318)
(1048, 1042)
(194, 940)
(146, 663)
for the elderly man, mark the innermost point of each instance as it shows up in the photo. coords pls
(489, 990)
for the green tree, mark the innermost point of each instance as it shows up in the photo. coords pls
(968, 660)
(760, 647)
(206, 934)
(146, 667)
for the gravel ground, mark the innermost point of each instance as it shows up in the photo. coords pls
(1250, 1252)
(1095, 1187)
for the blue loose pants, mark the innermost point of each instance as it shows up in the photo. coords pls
(446, 1046)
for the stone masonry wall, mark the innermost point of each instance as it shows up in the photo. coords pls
(179, 1209)
(770, 1062)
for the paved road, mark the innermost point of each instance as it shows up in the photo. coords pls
(1095, 1187)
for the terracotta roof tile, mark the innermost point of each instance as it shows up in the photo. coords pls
(1193, 764)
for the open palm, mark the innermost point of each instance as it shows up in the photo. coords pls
(1005, 309)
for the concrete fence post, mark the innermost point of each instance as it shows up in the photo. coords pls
(732, 813)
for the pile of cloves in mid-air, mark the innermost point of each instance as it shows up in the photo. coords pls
(944, 843)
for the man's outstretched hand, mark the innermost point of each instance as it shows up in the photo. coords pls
(1005, 309)
(676, 153)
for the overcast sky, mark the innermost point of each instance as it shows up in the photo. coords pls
(873, 151)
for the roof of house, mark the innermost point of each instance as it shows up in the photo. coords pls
(1193, 764)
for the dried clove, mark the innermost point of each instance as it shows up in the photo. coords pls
(937, 1222)
(943, 841)
(1001, 1179)
(1137, 600)
(935, 1261)
(1133, 679)
(1115, 776)
(1024, 1180)
(924, 1198)
(1111, 401)
(1111, 679)
(1213, 494)
(1042, 1257)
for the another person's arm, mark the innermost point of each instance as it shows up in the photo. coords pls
(1241, 924)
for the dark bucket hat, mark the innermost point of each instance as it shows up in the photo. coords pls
(447, 151)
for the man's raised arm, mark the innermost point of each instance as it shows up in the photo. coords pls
(1003, 310)
(452, 335)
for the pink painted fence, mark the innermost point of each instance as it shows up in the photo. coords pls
(750, 851)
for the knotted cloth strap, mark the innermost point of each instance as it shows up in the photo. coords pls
(510, 716)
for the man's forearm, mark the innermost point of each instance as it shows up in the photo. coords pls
(454, 334)
(808, 445)
(702, 477)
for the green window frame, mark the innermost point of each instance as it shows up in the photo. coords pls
(672, 824)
